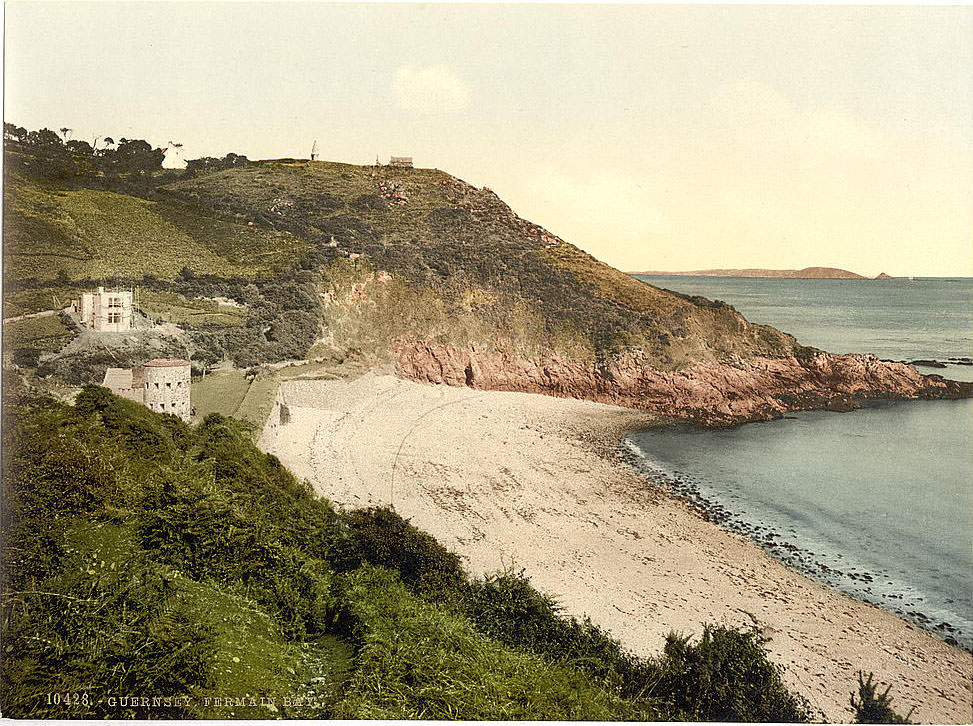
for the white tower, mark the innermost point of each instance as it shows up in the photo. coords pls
(174, 158)
(314, 150)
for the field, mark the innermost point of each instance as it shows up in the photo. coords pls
(93, 233)
(230, 393)
(44, 334)
(219, 392)
(172, 307)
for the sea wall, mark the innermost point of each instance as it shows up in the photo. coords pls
(754, 389)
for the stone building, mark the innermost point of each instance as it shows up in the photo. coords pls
(404, 162)
(162, 384)
(105, 311)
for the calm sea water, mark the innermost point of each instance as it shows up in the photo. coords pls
(878, 502)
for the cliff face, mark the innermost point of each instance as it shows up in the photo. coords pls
(709, 394)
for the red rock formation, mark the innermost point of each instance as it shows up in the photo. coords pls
(708, 394)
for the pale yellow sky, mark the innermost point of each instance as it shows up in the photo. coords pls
(653, 136)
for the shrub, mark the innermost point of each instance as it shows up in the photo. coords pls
(726, 676)
(123, 631)
(874, 707)
(506, 607)
(381, 537)
(416, 661)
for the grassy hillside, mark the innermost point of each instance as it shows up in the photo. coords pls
(336, 262)
(144, 556)
(465, 268)
(92, 233)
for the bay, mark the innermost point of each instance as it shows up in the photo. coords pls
(877, 502)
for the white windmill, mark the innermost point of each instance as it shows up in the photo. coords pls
(174, 158)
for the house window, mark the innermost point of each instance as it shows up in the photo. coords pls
(146, 384)
(114, 317)
(162, 406)
(114, 302)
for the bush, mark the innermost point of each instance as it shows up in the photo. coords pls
(124, 631)
(726, 676)
(416, 661)
(381, 537)
(874, 707)
(506, 607)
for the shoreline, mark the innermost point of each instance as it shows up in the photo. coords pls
(777, 545)
(536, 482)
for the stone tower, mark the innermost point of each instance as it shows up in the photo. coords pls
(165, 385)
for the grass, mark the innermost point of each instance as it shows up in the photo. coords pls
(172, 307)
(252, 659)
(95, 233)
(219, 392)
(418, 662)
(46, 334)
(35, 300)
(258, 401)
(231, 393)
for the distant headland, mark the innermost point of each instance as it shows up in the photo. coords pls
(819, 273)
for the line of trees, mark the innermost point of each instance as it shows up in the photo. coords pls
(126, 163)
(44, 153)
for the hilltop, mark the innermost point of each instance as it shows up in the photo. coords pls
(411, 268)
(808, 273)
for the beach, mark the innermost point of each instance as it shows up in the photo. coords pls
(525, 481)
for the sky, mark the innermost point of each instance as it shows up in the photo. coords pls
(656, 137)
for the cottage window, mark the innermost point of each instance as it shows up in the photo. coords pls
(114, 317)
(163, 406)
(168, 384)
(114, 302)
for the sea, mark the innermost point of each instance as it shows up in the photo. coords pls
(877, 502)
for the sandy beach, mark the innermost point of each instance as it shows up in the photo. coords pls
(533, 482)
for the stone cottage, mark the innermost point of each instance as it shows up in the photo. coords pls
(162, 384)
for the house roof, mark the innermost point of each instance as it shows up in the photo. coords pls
(118, 378)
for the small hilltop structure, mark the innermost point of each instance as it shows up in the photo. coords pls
(106, 311)
(314, 151)
(174, 157)
(161, 384)
(402, 162)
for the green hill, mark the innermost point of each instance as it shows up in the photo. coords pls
(466, 269)
(93, 233)
(366, 256)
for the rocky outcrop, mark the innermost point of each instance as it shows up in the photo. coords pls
(754, 389)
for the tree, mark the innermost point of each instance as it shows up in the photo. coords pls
(137, 157)
(874, 707)
(14, 133)
(80, 147)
